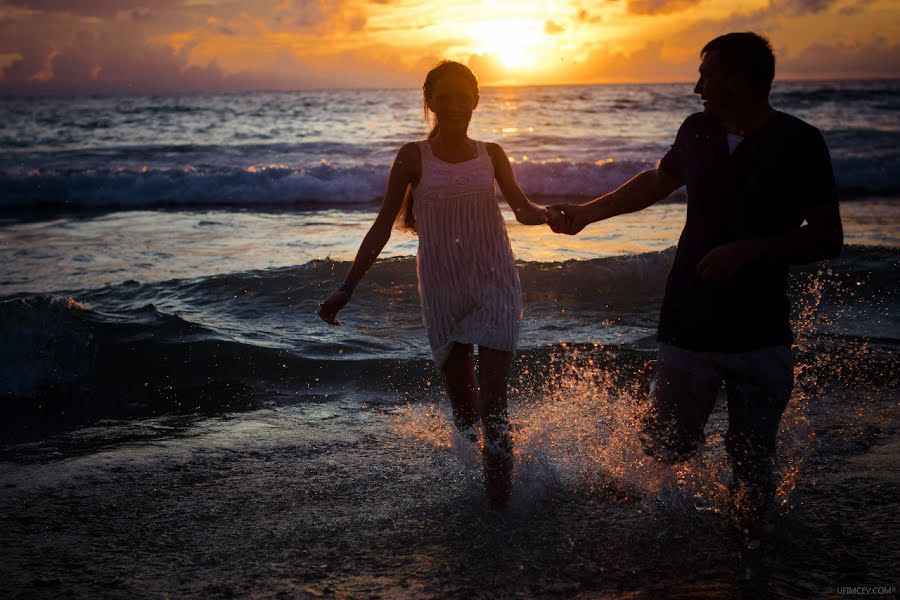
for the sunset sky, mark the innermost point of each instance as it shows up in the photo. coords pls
(181, 45)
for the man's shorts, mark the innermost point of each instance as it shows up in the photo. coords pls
(683, 393)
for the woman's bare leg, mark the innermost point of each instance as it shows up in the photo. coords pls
(459, 374)
(493, 372)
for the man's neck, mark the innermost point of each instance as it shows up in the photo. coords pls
(748, 118)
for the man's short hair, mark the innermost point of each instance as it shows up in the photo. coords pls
(747, 54)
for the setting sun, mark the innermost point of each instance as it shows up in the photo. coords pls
(513, 42)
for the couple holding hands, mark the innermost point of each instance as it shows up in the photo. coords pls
(761, 196)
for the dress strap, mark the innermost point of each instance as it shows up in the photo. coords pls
(482, 148)
(425, 147)
(426, 156)
(483, 152)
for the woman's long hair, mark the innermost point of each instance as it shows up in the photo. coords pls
(406, 221)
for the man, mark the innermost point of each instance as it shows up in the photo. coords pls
(753, 175)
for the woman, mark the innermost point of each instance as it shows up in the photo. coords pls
(443, 189)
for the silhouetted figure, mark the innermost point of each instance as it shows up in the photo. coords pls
(443, 189)
(753, 175)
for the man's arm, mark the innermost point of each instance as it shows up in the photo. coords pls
(822, 237)
(641, 191)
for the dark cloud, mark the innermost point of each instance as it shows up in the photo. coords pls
(57, 49)
(761, 21)
(800, 7)
(658, 7)
(767, 21)
(290, 15)
(121, 62)
(775, 7)
(855, 7)
(79, 62)
(877, 58)
(34, 39)
(92, 8)
(34, 62)
(303, 14)
(109, 62)
(316, 16)
(140, 13)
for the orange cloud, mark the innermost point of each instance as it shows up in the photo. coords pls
(645, 64)
(552, 27)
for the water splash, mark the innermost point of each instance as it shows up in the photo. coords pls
(577, 420)
(833, 356)
(576, 423)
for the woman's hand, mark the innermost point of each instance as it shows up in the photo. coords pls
(328, 308)
(568, 218)
(532, 214)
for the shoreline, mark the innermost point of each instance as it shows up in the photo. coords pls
(39, 212)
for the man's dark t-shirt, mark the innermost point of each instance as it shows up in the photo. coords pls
(761, 190)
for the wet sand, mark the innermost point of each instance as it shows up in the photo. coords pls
(329, 498)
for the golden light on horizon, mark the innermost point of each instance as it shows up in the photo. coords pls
(214, 45)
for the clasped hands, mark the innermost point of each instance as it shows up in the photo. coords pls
(566, 218)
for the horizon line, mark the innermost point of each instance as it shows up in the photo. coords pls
(499, 84)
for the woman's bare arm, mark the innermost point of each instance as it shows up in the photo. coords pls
(404, 172)
(526, 211)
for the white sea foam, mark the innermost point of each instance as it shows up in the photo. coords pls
(336, 147)
(328, 185)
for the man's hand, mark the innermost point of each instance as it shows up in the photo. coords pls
(567, 218)
(724, 262)
(328, 308)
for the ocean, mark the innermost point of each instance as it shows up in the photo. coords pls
(179, 422)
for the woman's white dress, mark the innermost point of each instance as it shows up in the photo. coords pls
(468, 284)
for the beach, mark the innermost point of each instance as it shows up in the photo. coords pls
(356, 495)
